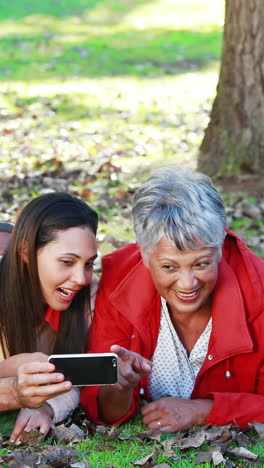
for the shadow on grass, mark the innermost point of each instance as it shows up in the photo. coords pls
(149, 52)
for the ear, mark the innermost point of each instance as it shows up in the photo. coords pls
(23, 251)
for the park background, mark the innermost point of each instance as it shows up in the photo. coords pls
(94, 95)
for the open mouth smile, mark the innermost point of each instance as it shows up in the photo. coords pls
(187, 296)
(67, 294)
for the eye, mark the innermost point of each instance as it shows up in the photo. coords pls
(89, 265)
(168, 267)
(67, 262)
(202, 264)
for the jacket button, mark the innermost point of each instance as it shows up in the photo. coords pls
(210, 357)
(133, 336)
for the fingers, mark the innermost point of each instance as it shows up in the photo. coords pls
(36, 367)
(141, 365)
(20, 425)
(45, 427)
(40, 357)
(138, 362)
(29, 419)
(39, 379)
(149, 408)
(34, 397)
(122, 353)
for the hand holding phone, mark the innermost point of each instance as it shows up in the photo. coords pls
(87, 369)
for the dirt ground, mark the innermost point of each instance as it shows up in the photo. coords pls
(246, 185)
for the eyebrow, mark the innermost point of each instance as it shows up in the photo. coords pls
(78, 256)
(170, 259)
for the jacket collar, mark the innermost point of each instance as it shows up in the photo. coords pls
(137, 299)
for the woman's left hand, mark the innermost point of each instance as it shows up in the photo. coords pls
(29, 419)
(171, 414)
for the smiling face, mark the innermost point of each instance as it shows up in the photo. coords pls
(65, 266)
(184, 279)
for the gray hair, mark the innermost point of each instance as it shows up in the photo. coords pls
(181, 204)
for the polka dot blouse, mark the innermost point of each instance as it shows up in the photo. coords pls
(173, 371)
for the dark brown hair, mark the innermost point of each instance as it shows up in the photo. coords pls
(21, 307)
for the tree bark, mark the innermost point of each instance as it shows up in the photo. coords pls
(234, 138)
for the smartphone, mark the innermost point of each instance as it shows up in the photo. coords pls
(87, 369)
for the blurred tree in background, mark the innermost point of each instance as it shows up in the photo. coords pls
(234, 139)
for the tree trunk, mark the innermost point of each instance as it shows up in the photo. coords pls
(234, 138)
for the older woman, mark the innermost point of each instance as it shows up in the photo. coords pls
(184, 309)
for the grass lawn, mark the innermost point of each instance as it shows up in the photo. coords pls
(129, 81)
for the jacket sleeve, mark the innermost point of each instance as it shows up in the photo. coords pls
(108, 327)
(63, 405)
(238, 409)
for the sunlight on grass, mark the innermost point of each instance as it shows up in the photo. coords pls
(177, 14)
(159, 119)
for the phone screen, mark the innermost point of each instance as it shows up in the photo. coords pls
(88, 369)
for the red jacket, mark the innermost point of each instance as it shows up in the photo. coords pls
(128, 311)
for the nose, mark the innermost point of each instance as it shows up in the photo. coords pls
(82, 277)
(187, 280)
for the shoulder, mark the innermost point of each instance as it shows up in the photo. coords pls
(239, 255)
(120, 262)
(248, 269)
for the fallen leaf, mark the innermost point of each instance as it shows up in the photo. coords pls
(259, 428)
(66, 435)
(54, 454)
(193, 441)
(152, 434)
(82, 464)
(143, 461)
(168, 451)
(113, 433)
(162, 465)
(32, 438)
(217, 458)
(242, 452)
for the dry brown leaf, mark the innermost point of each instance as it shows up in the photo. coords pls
(152, 434)
(113, 433)
(22, 458)
(174, 440)
(162, 465)
(259, 428)
(54, 454)
(242, 452)
(168, 451)
(193, 441)
(32, 438)
(66, 435)
(143, 461)
(217, 458)
(217, 432)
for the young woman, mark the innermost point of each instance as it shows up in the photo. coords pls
(45, 278)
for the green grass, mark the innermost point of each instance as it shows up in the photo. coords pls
(62, 39)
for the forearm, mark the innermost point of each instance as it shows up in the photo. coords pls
(113, 404)
(8, 394)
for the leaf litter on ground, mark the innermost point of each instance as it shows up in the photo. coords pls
(218, 445)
